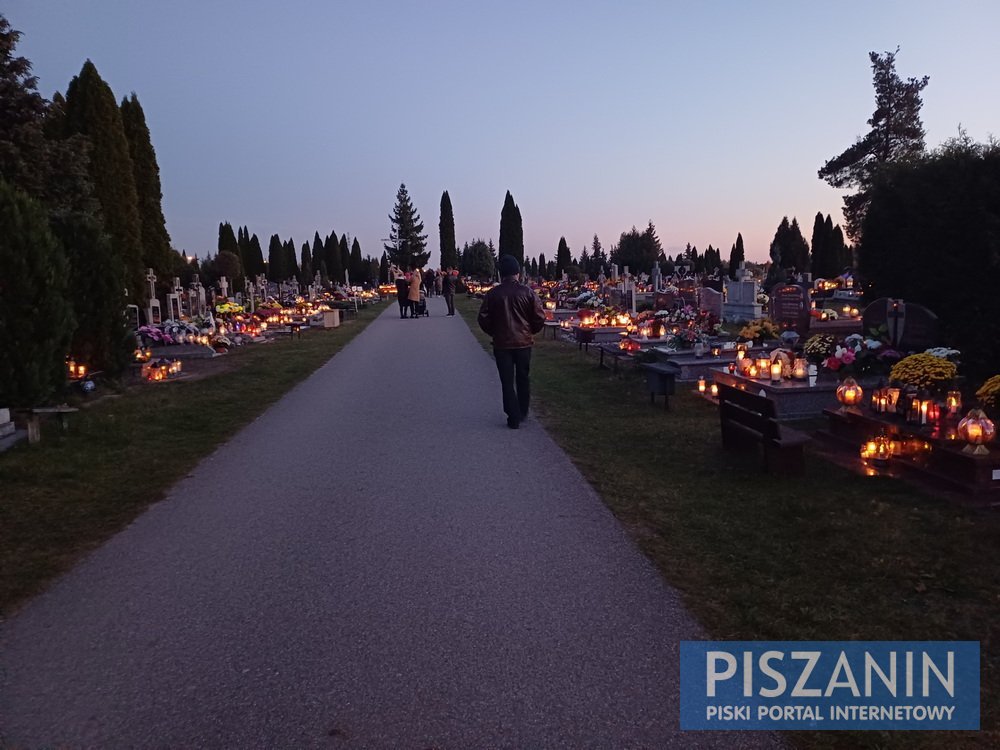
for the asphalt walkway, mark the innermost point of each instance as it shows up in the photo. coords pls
(376, 561)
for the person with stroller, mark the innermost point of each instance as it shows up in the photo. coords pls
(414, 293)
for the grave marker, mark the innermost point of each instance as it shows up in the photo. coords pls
(790, 308)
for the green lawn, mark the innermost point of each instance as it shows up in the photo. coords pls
(827, 556)
(70, 492)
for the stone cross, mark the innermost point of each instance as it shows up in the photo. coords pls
(224, 286)
(151, 278)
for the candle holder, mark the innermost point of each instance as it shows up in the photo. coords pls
(976, 429)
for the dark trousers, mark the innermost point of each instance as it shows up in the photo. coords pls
(450, 299)
(404, 305)
(513, 366)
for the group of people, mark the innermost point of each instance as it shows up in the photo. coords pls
(511, 314)
(413, 288)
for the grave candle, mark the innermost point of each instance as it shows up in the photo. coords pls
(714, 390)
(924, 406)
(953, 402)
(732, 368)
(701, 385)
(800, 370)
(776, 371)
(753, 371)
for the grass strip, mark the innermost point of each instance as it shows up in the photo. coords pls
(826, 556)
(67, 494)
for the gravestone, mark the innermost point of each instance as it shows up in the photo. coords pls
(224, 287)
(790, 308)
(741, 301)
(710, 301)
(910, 327)
(132, 316)
(196, 297)
(664, 300)
(656, 277)
(6, 425)
(614, 274)
(688, 289)
(175, 309)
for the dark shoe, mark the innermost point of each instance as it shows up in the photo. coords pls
(512, 423)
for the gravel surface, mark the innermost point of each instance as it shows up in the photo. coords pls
(375, 562)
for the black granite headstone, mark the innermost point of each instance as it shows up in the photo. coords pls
(909, 327)
(790, 308)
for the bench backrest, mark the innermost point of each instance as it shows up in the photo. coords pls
(750, 410)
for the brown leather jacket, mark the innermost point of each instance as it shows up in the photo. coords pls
(511, 313)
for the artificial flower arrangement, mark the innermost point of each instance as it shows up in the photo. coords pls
(924, 371)
(819, 347)
(989, 391)
(763, 328)
(228, 308)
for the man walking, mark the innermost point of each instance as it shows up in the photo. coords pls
(511, 313)
(448, 281)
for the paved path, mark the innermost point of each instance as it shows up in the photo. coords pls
(377, 561)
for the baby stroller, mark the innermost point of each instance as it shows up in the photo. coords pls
(420, 308)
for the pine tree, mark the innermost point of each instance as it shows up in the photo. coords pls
(822, 262)
(406, 234)
(35, 319)
(305, 267)
(91, 110)
(896, 135)
(585, 262)
(543, 267)
(446, 234)
(511, 231)
(156, 251)
(276, 270)
(563, 257)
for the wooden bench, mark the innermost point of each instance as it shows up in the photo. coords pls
(34, 419)
(748, 419)
(661, 380)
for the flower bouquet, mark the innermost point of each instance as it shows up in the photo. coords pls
(924, 371)
(759, 330)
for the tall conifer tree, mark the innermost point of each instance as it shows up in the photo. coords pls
(334, 265)
(446, 234)
(92, 111)
(276, 270)
(406, 237)
(511, 231)
(156, 251)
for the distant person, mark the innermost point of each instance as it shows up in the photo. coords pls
(449, 280)
(414, 293)
(439, 282)
(402, 293)
(511, 314)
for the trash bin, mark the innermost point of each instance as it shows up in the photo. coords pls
(331, 318)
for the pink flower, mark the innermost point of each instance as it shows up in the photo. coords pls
(847, 356)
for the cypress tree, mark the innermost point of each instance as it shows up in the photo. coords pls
(254, 261)
(35, 318)
(511, 231)
(543, 267)
(383, 269)
(276, 270)
(156, 250)
(563, 257)
(318, 256)
(306, 268)
(345, 258)
(736, 256)
(291, 262)
(334, 266)
(227, 239)
(92, 111)
(821, 260)
(446, 234)
(359, 270)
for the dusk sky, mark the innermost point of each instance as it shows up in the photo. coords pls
(708, 118)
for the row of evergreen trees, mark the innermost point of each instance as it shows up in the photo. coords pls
(80, 220)
(331, 257)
